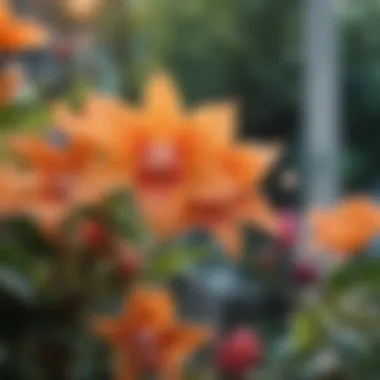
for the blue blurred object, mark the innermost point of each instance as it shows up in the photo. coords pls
(374, 246)
(95, 64)
(108, 78)
(58, 138)
(204, 290)
(41, 66)
(8, 58)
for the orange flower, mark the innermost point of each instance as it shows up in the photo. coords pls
(11, 81)
(151, 146)
(55, 163)
(19, 191)
(162, 149)
(229, 194)
(17, 35)
(67, 172)
(347, 228)
(14, 188)
(147, 336)
(182, 154)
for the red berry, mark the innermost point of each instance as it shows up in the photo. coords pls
(130, 263)
(94, 235)
(288, 229)
(240, 351)
(304, 273)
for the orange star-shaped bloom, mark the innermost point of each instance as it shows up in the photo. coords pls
(147, 336)
(18, 35)
(160, 146)
(152, 145)
(347, 228)
(163, 148)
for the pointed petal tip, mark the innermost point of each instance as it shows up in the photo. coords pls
(161, 95)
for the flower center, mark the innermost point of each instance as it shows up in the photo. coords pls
(160, 167)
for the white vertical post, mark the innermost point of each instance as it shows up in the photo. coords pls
(321, 132)
(322, 105)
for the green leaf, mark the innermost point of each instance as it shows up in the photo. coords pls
(25, 117)
(305, 331)
(26, 233)
(175, 260)
(126, 219)
(364, 271)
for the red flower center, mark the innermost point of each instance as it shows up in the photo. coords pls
(160, 166)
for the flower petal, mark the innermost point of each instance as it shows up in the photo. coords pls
(257, 211)
(35, 151)
(148, 306)
(16, 34)
(218, 121)
(230, 237)
(162, 209)
(124, 367)
(178, 345)
(162, 99)
(11, 81)
(250, 163)
(27, 34)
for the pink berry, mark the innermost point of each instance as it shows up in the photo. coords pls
(304, 273)
(288, 228)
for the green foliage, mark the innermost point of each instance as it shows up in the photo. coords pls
(246, 49)
(173, 261)
(125, 218)
(29, 116)
(339, 325)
